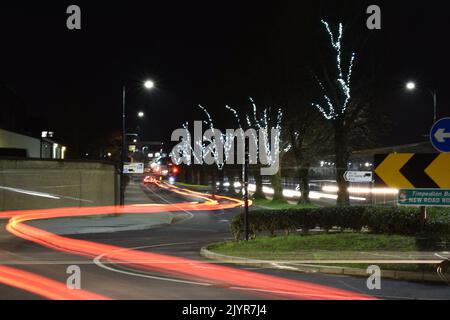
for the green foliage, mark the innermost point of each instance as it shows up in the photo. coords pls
(377, 220)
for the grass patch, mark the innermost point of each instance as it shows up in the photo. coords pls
(339, 246)
(192, 186)
(267, 247)
(279, 205)
(429, 268)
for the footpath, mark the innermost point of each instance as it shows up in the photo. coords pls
(109, 223)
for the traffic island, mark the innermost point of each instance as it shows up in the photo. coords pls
(333, 254)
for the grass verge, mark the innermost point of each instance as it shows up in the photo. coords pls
(192, 186)
(279, 205)
(340, 246)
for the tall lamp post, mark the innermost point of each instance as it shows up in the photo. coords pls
(411, 86)
(148, 85)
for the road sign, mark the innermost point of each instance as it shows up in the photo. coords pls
(134, 167)
(424, 197)
(358, 176)
(412, 170)
(440, 135)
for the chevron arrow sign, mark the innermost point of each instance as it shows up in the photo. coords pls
(412, 170)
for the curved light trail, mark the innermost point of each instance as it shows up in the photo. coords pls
(175, 266)
(42, 286)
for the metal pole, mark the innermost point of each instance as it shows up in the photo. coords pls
(423, 216)
(124, 151)
(434, 103)
(245, 178)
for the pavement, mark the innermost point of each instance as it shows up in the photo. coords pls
(183, 238)
(110, 223)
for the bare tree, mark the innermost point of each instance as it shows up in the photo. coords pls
(337, 105)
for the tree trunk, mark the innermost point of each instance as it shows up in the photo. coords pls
(197, 173)
(303, 174)
(277, 187)
(259, 194)
(203, 175)
(221, 179)
(341, 160)
(213, 182)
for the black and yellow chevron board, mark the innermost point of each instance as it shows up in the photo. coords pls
(412, 170)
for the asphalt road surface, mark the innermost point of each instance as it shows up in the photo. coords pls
(184, 238)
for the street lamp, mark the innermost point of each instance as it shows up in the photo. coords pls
(147, 85)
(411, 86)
(140, 114)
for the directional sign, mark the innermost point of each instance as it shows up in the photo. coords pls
(412, 170)
(134, 167)
(424, 197)
(358, 176)
(440, 135)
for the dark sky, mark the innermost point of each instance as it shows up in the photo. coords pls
(203, 52)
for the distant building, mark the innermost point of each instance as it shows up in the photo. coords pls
(145, 151)
(14, 144)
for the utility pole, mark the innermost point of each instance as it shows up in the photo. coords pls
(124, 151)
(245, 180)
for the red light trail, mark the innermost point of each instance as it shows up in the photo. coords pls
(42, 286)
(181, 267)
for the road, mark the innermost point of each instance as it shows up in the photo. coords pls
(111, 277)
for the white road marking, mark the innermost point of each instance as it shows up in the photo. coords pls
(191, 215)
(99, 263)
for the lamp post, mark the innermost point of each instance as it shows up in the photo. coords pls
(412, 86)
(148, 85)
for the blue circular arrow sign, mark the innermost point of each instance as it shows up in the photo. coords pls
(440, 135)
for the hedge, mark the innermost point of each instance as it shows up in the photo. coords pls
(378, 220)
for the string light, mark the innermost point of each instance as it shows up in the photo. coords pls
(331, 111)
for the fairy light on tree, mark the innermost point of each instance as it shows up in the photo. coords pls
(334, 108)
(214, 147)
(336, 102)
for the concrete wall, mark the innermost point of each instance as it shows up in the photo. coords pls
(10, 139)
(33, 184)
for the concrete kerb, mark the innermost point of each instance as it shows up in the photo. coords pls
(309, 268)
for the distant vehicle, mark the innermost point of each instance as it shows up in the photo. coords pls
(164, 167)
(149, 179)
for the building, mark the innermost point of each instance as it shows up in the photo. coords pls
(145, 151)
(18, 145)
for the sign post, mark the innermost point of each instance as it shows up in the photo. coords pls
(358, 176)
(440, 135)
(423, 179)
(245, 179)
(424, 197)
(133, 167)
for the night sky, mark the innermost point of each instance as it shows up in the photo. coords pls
(211, 53)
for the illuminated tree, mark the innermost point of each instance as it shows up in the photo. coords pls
(337, 104)
(261, 122)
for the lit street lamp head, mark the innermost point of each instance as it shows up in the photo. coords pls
(149, 84)
(410, 85)
(140, 114)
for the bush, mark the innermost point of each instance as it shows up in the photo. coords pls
(378, 220)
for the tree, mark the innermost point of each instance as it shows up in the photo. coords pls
(338, 107)
(309, 137)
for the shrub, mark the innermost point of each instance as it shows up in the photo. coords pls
(379, 220)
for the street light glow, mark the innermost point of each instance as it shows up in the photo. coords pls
(410, 85)
(140, 114)
(149, 84)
